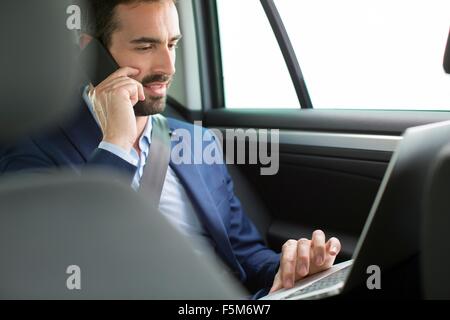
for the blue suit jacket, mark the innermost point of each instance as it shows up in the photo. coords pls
(237, 242)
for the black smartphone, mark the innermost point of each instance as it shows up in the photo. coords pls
(98, 63)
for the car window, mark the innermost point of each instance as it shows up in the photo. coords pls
(254, 71)
(374, 54)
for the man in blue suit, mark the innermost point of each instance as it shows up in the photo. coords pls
(108, 131)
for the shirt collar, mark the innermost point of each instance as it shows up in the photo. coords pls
(146, 137)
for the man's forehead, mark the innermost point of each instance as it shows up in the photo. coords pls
(149, 19)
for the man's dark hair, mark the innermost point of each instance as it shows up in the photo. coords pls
(99, 19)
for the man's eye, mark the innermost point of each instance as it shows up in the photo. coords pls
(144, 48)
(173, 46)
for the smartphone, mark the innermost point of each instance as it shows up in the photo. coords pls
(98, 63)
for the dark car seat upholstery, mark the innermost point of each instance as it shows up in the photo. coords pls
(436, 222)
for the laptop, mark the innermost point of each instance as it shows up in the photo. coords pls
(391, 234)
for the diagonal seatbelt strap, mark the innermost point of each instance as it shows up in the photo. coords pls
(155, 169)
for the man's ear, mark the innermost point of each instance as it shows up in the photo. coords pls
(85, 39)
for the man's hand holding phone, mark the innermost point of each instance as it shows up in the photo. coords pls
(113, 101)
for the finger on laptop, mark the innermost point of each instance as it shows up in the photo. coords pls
(303, 255)
(333, 246)
(288, 263)
(277, 283)
(318, 247)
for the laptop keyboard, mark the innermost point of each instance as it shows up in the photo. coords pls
(329, 281)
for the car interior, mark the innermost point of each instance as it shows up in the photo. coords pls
(331, 161)
(331, 166)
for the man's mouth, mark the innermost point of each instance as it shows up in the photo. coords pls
(156, 89)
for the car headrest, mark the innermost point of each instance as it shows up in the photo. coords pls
(447, 56)
(38, 71)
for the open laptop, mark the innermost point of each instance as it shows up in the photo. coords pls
(391, 234)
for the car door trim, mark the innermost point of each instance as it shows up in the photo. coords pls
(341, 140)
(385, 143)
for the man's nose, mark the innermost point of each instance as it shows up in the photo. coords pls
(165, 62)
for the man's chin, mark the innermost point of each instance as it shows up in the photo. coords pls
(149, 107)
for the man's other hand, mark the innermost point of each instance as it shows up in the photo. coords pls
(305, 257)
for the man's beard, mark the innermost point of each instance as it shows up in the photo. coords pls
(149, 107)
(152, 104)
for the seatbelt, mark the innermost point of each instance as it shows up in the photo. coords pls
(155, 169)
